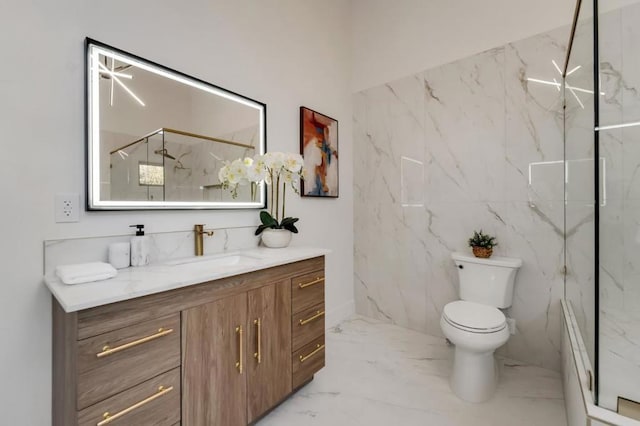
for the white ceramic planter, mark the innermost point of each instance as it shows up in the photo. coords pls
(276, 238)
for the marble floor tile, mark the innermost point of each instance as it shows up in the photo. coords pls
(381, 374)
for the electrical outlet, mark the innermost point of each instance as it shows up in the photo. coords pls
(511, 323)
(66, 208)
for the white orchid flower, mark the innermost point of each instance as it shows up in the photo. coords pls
(293, 162)
(275, 169)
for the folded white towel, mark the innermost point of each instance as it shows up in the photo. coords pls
(85, 272)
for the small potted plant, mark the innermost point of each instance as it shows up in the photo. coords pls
(482, 244)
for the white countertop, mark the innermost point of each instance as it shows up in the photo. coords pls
(141, 281)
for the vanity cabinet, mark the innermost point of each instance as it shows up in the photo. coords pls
(110, 363)
(268, 361)
(215, 388)
(307, 326)
(222, 352)
(237, 356)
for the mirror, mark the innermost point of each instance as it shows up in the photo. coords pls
(157, 138)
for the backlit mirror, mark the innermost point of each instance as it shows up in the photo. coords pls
(157, 138)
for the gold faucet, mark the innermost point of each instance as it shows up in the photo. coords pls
(199, 232)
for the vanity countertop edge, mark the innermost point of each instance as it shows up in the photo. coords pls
(136, 282)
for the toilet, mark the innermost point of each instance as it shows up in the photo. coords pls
(475, 324)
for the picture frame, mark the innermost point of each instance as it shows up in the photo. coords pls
(319, 149)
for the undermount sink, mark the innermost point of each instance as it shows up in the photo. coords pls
(217, 260)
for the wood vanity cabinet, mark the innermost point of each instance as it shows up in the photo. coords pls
(237, 356)
(222, 353)
(268, 361)
(214, 390)
(307, 326)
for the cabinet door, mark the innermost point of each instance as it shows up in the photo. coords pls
(214, 376)
(269, 356)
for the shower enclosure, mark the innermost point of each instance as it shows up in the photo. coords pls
(170, 165)
(602, 196)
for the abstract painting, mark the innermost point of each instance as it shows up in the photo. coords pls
(319, 147)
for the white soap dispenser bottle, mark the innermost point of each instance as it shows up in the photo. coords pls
(139, 247)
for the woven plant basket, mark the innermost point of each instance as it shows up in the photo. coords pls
(482, 252)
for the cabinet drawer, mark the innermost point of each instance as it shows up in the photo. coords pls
(154, 402)
(307, 325)
(307, 291)
(115, 361)
(307, 361)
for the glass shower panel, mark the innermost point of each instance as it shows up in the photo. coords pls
(192, 163)
(136, 171)
(580, 244)
(619, 210)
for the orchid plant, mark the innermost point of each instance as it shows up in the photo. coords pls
(278, 170)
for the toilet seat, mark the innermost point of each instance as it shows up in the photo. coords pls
(474, 317)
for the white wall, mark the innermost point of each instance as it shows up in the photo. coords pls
(263, 49)
(393, 39)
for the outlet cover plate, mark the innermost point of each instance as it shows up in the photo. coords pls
(67, 207)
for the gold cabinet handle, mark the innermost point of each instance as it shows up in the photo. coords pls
(258, 355)
(106, 350)
(318, 348)
(310, 283)
(308, 320)
(240, 349)
(108, 418)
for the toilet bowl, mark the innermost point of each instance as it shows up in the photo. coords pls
(475, 325)
(477, 331)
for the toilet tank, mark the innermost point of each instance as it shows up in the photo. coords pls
(487, 281)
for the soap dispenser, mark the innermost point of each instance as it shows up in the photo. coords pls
(139, 247)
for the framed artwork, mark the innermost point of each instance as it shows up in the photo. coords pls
(319, 148)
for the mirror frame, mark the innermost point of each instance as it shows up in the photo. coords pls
(92, 128)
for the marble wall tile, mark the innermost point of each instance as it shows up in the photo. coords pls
(535, 176)
(482, 126)
(612, 165)
(631, 162)
(537, 239)
(612, 84)
(389, 126)
(464, 129)
(612, 266)
(630, 71)
(534, 118)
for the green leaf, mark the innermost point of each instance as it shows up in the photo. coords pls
(260, 229)
(291, 227)
(289, 221)
(267, 219)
